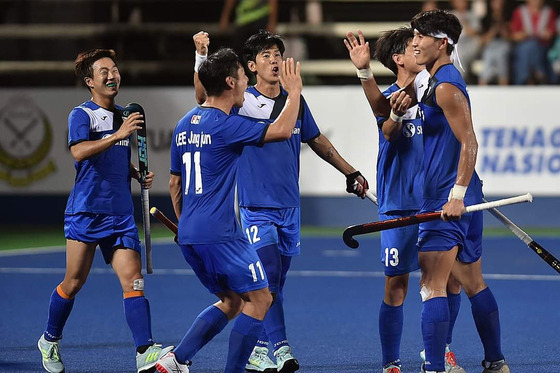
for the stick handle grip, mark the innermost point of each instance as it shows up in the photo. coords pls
(501, 202)
(372, 197)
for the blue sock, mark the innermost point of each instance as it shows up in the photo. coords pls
(275, 324)
(262, 341)
(59, 311)
(138, 317)
(487, 319)
(207, 325)
(435, 325)
(454, 301)
(390, 331)
(242, 339)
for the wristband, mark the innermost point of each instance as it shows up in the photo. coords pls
(198, 60)
(457, 192)
(364, 74)
(395, 118)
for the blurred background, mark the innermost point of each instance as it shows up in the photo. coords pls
(511, 61)
(39, 39)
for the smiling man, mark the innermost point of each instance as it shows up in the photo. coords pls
(100, 210)
(454, 243)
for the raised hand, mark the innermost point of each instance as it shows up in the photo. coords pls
(201, 42)
(359, 49)
(290, 76)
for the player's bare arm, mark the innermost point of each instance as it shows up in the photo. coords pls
(201, 42)
(87, 149)
(360, 55)
(322, 146)
(326, 150)
(457, 112)
(175, 190)
(290, 78)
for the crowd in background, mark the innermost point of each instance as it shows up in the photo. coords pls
(516, 43)
(503, 41)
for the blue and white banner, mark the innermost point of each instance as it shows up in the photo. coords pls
(518, 137)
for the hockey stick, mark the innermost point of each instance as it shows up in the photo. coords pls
(528, 240)
(377, 226)
(164, 219)
(141, 137)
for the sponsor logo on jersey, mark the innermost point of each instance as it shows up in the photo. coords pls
(409, 129)
(260, 105)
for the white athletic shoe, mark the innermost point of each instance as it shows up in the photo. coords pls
(285, 361)
(52, 361)
(260, 362)
(147, 361)
(169, 364)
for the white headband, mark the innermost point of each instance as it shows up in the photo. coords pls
(454, 53)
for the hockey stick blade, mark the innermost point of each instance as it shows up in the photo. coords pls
(377, 226)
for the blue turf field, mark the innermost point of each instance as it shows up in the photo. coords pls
(332, 300)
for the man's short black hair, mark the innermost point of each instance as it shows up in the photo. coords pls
(217, 67)
(390, 43)
(259, 42)
(437, 21)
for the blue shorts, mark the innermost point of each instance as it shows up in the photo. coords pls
(224, 266)
(108, 231)
(267, 226)
(399, 253)
(439, 235)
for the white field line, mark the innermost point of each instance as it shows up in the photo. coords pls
(293, 273)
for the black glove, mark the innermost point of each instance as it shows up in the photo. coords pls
(353, 180)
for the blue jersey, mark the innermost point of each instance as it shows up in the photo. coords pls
(441, 147)
(102, 184)
(205, 151)
(269, 175)
(399, 164)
